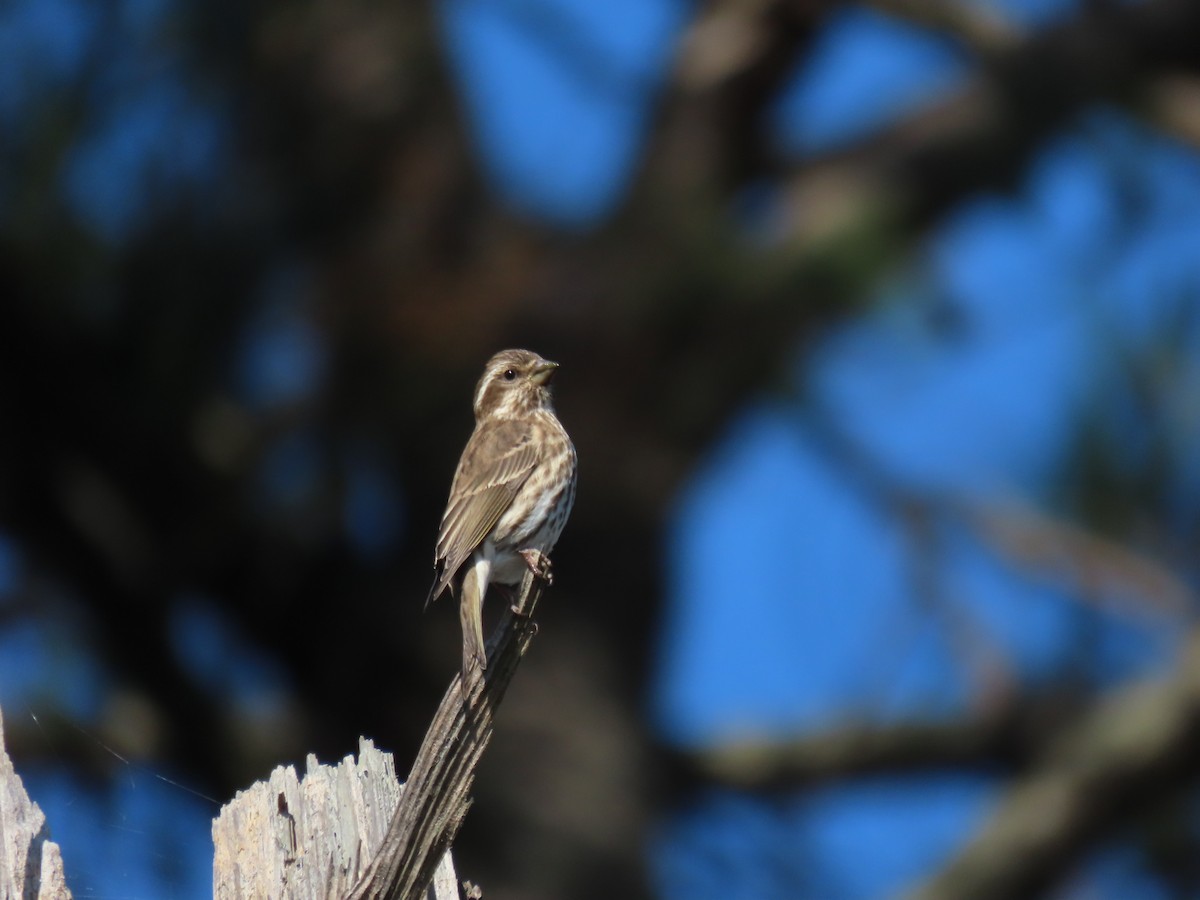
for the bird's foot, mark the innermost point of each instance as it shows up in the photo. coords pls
(539, 565)
(513, 596)
(524, 621)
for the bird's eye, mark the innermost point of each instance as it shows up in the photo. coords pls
(509, 375)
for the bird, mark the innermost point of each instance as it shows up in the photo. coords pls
(511, 494)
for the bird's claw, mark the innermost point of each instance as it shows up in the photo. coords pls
(525, 619)
(539, 565)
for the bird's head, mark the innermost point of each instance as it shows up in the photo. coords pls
(514, 382)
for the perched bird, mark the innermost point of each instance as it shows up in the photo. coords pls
(511, 494)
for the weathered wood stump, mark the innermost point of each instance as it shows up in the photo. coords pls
(30, 863)
(309, 839)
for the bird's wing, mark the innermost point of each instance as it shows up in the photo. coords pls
(495, 463)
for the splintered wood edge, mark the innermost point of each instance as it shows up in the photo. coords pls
(310, 837)
(24, 840)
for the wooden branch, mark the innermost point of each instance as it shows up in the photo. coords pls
(437, 792)
(30, 863)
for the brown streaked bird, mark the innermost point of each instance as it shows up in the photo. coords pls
(511, 494)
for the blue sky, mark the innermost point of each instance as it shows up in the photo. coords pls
(559, 95)
(1021, 322)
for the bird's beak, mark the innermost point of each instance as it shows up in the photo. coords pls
(544, 373)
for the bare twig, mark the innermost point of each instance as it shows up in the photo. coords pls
(437, 792)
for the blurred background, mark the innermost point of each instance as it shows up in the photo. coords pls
(880, 335)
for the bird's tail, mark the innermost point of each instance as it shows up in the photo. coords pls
(474, 587)
(441, 580)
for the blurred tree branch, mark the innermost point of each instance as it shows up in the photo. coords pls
(1133, 750)
(1025, 87)
(1085, 770)
(1108, 572)
(1002, 738)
